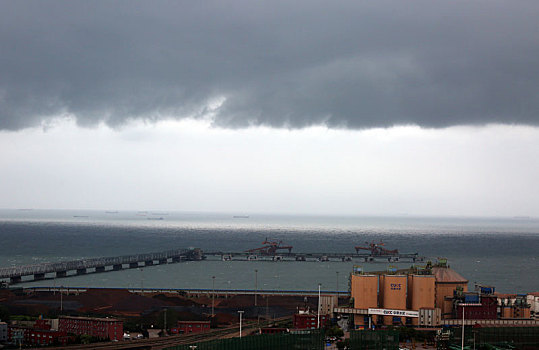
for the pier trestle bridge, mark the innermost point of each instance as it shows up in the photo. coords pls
(95, 265)
(82, 266)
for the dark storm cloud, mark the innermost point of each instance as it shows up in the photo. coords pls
(278, 63)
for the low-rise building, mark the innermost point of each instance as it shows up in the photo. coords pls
(307, 320)
(44, 337)
(514, 306)
(533, 300)
(485, 308)
(193, 326)
(101, 328)
(40, 333)
(328, 303)
(3, 332)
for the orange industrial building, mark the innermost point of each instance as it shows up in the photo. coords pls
(447, 281)
(364, 292)
(513, 306)
(425, 294)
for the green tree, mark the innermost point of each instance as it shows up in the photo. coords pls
(335, 331)
(4, 313)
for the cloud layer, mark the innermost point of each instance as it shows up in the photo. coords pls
(278, 63)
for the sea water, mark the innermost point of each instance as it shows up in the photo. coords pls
(502, 252)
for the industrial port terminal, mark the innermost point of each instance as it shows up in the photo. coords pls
(378, 309)
(429, 304)
(269, 251)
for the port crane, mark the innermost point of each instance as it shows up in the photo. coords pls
(270, 248)
(377, 249)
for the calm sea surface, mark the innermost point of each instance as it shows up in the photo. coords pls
(501, 252)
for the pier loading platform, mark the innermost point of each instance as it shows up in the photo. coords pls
(286, 256)
(82, 266)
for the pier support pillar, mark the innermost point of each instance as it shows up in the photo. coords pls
(15, 279)
(163, 261)
(117, 267)
(39, 276)
(148, 263)
(133, 265)
(81, 271)
(100, 269)
(60, 274)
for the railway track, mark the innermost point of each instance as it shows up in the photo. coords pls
(170, 341)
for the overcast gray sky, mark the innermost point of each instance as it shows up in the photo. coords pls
(371, 107)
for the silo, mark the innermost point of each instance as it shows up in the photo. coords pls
(506, 311)
(381, 281)
(447, 281)
(422, 292)
(394, 295)
(365, 294)
(410, 281)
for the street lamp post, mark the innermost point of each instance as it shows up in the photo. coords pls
(267, 306)
(241, 313)
(337, 290)
(165, 322)
(213, 297)
(256, 286)
(318, 323)
(141, 280)
(462, 344)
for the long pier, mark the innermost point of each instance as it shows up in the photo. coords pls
(96, 265)
(82, 266)
(226, 256)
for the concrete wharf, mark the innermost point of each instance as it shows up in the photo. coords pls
(285, 256)
(83, 266)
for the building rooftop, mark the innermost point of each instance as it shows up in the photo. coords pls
(447, 275)
(505, 295)
(90, 318)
